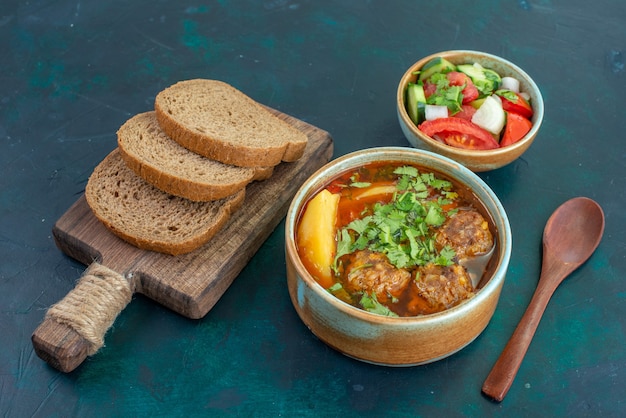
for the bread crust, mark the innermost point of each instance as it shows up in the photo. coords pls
(165, 164)
(144, 191)
(214, 119)
(142, 215)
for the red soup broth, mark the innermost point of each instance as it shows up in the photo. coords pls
(361, 190)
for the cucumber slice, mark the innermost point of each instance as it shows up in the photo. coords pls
(478, 102)
(436, 65)
(485, 79)
(415, 102)
(494, 79)
(472, 71)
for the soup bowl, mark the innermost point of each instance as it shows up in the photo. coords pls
(475, 160)
(396, 341)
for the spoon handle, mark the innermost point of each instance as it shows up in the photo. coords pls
(505, 369)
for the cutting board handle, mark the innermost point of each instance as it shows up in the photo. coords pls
(74, 328)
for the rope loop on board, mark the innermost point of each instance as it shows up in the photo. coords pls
(92, 306)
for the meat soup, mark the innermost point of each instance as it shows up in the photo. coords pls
(395, 239)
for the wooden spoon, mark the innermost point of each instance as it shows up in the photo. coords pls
(570, 237)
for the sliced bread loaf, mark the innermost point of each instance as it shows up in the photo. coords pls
(216, 120)
(165, 164)
(149, 218)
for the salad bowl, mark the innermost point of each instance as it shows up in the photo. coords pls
(474, 158)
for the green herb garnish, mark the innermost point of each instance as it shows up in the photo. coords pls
(334, 288)
(360, 184)
(445, 94)
(371, 304)
(402, 229)
(507, 94)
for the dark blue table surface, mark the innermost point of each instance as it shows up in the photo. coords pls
(72, 72)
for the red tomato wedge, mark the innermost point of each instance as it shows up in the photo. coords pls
(516, 127)
(335, 187)
(429, 89)
(519, 106)
(470, 92)
(467, 111)
(459, 133)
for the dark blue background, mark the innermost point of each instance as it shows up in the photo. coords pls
(72, 72)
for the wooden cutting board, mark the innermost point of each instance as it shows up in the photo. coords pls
(189, 284)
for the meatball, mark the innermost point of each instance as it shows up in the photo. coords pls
(371, 272)
(467, 233)
(442, 287)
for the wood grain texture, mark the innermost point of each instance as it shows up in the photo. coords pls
(188, 284)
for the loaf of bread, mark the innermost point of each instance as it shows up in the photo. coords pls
(213, 119)
(149, 218)
(165, 164)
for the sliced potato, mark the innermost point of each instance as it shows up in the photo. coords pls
(385, 189)
(316, 234)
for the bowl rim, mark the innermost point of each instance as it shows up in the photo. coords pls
(538, 105)
(312, 184)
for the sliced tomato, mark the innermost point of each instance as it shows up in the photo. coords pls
(429, 89)
(335, 187)
(467, 111)
(516, 127)
(519, 106)
(459, 133)
(470, 92)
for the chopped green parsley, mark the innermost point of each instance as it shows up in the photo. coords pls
(403, 229)
(507, 94)
(371, 304)
(446, 95)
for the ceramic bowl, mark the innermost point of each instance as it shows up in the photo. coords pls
(396, 341)
(475, 160)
